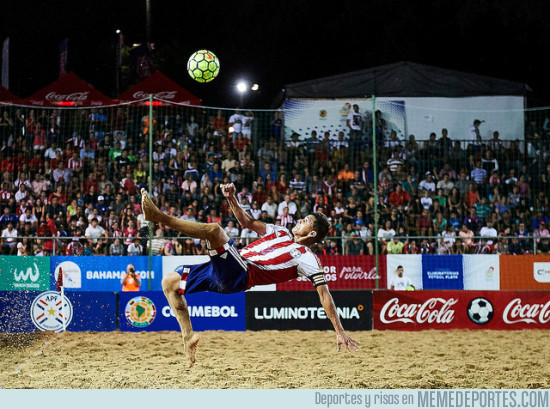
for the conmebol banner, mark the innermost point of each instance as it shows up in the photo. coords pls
(420, 310)
(150, 311)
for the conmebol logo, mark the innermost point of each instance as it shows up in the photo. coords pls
(436, 310)
(206, 311)
(516, 312)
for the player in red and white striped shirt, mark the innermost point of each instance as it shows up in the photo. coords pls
(277, 256)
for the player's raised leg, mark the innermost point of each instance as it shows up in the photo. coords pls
(171, 286)
(212, 232)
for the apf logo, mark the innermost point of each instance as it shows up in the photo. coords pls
(23, 277)
(49, 311)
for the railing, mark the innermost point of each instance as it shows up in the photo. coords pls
(529, 244)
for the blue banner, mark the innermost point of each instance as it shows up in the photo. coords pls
(32, 311)
(82, 273)
(150, 311)
(442, 272)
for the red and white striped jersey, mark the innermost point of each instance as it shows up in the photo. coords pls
(276, 258)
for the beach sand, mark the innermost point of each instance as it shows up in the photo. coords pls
(277, 359)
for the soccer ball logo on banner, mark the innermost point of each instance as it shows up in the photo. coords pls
(480, 311)
(203, 66)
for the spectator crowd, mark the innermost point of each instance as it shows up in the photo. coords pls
(70, 183)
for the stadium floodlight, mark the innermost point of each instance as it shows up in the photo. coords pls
(255, 87)
(242, 87)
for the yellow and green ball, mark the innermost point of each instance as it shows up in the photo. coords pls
(203, 66)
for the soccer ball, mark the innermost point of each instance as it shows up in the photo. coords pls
(203, 66)
(480, 311)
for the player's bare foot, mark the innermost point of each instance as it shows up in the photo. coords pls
(190, 347)
(148, 207)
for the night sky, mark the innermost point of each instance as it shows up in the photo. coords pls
(276, 43)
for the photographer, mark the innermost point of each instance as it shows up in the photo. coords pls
(130, 280)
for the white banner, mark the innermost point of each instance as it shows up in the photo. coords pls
(406, 116)
(324, 115)
(412, 268)
(481, 271)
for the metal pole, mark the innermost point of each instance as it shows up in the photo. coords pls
(148, 22)
(118, 62)
(375, 182)
(150, 187)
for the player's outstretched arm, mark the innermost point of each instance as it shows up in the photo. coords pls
(341, 337)
(246, 220)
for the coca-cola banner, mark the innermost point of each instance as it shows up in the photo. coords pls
(421, 310)
(344, 273)
(404, 271)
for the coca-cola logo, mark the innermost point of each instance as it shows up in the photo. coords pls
(436, 310)
(357, 273)
(159, 95)
(75, 96)
(516, 312)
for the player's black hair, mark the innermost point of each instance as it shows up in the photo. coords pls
(321, 226)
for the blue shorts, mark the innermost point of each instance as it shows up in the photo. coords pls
(225, 273)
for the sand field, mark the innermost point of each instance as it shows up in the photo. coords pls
(277, 359)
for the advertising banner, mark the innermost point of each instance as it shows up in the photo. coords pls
(344, 273)
(303, 311)
(500, 310)
(105, 273)
(150, 311)
(24, 273)
(33, 311)
(481, 271)
(527, 272)
(321, 115)
(411, 115)
(412, 268)
(442, 272)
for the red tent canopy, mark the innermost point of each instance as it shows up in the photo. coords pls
(161, 87)
(8, 97)
(69, 90)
